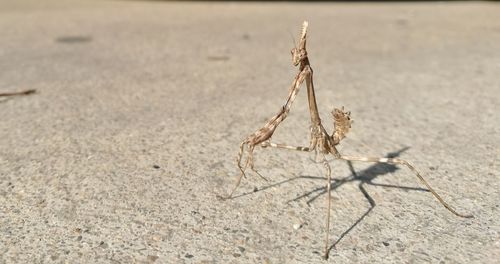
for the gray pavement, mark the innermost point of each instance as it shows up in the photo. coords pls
(141, 106)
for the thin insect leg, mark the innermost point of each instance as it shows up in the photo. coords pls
(305, 149)
(317, 154)
(249, 158)
(412, 168)
(329, 200)
(242, 168)
(274, 145)
(26, 92)
(240, 156)
(238, 181)
(283, 146)
(253, 169)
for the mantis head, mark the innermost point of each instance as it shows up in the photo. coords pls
(299, 53)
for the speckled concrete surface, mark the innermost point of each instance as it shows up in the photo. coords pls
(141, 107)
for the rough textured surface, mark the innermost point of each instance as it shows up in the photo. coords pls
(141, 107)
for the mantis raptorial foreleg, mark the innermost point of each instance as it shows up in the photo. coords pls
(299, 58)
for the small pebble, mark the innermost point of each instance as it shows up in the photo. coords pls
(297, 226)
(188, 255)
(156, 166)
(385, 243)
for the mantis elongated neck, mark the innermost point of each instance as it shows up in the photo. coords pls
(313, 107)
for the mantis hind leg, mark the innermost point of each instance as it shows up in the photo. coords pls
(415, 171)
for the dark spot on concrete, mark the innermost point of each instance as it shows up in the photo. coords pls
(401, 22)
(385, 243)
(241, 249)
(216, 164)
(79, 238)
(255, 189)
(245, 36)
(140, 223)
(54, 257)
(73, 39)
(188, 255)
(156, 166)
(236, 255)
(103, 245)
(152, 258)
(432, 168)
(218, 58)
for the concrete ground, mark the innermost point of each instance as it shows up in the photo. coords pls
(141, 106)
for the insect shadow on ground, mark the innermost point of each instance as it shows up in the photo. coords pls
(363, 177)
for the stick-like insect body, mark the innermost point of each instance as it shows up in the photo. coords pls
(324, 143)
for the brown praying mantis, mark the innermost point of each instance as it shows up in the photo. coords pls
(320, 141)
